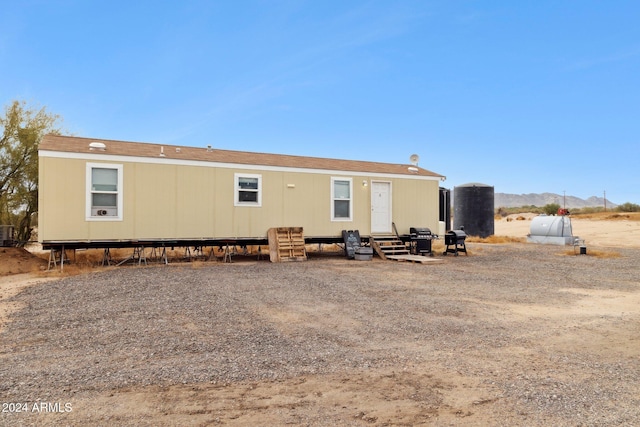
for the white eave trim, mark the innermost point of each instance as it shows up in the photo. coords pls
(201, 163)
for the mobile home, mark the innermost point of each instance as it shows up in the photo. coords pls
(102, 191)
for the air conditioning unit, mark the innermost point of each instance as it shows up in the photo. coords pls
(6, 235)
(104, 211)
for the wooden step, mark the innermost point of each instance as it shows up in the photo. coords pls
(397, 251)
(388, 245)
(391, 246)
(385, 238)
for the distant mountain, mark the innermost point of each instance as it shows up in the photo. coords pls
(516, 200)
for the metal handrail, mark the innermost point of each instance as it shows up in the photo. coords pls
(395, 229)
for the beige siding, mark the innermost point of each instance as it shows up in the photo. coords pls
(154, 207)
(61, 195)
(194, 192)
(361, 207)
(165, 201)
(415, 204)
(244, 221)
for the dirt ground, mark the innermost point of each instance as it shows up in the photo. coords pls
(19, 261)
(620, 230)
(597, 330)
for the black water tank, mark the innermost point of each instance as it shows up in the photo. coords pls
(473, 209)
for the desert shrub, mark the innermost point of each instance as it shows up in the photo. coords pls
(588, 210)
(503, 211)
(628, 207)
(551, 208)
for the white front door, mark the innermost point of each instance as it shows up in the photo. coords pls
(380, 207)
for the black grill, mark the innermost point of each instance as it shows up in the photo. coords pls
(454, 239)
(421, 241)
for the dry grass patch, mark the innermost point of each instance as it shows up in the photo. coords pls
(593, 253)
(495, 239)
(82, 262)
(610, 216)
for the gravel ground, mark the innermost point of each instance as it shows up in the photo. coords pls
(513, 334)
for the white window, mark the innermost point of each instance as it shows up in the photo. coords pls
(248, 190)
(104, 192)
(341, 200)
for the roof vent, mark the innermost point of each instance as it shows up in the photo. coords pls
(97, 146)
(413, 169)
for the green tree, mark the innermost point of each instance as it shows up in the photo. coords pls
(21, 130)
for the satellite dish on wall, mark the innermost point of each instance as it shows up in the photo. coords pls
(414, 159)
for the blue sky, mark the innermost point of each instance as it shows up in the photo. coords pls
(528, 97)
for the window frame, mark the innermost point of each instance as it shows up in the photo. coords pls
(335, 179)
(119, 192)
(237, 190)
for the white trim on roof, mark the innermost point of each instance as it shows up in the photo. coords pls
(201, 163)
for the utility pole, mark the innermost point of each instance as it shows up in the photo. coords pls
(605, 200)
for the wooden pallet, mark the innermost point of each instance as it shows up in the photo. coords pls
(414, 258)
(286, 244)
